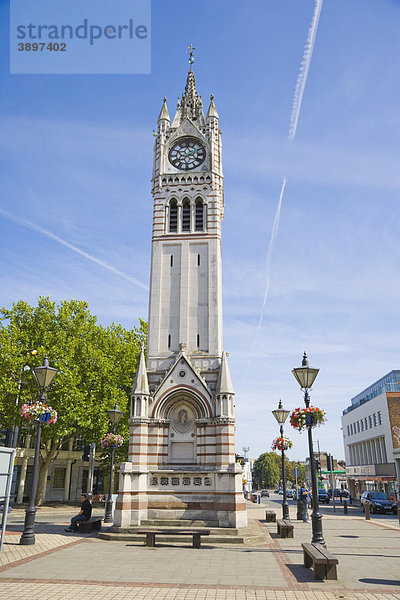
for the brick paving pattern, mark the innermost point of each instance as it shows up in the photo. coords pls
(61, 566)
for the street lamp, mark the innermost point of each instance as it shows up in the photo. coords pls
(114, 415)
(305, 376)
(44, 375)
(281, 415)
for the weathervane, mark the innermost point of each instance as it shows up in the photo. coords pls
(189, 51)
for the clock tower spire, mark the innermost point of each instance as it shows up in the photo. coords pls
(182, 427)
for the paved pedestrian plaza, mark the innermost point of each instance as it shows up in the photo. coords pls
(60, 566)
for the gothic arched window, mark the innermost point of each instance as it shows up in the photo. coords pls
(173, 216)
(186, 215)
(199, 215)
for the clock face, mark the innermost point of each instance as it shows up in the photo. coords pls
(186, 154)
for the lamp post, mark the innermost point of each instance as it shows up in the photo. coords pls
(44, 375)
(114, 415)
(305, 376)
(281, 415)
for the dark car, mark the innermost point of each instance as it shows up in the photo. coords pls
(379, 502)
(339, 493)
(265, 493)
(323, 496)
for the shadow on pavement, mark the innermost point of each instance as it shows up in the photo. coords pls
(381, 581)
(45, 527)
(301, 574)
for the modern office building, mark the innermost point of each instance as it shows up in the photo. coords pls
(371, 437)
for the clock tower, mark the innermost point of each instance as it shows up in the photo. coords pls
(181, 462)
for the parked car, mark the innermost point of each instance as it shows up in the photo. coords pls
(265, 493)
(278, 491)
(323, 496)
(339, 493)
(379, 502)
(290, 494)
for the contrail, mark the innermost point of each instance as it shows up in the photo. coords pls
(304, 69)
(49, 234)
(296, 106)
(268, 261)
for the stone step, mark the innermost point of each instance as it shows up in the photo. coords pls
(178, 523)
(226, 531)
(210, 539)
(250, 535)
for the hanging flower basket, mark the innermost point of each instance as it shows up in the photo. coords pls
(281, 443)
(32, 412)
(112, 440)
(312, 416)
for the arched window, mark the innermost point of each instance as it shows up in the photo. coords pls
(199, 215)
(186, 215)
(173, 216)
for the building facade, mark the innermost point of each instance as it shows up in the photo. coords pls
(181, 462)
(371, 436)
(67, 476)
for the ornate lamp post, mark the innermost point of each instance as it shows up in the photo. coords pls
(305, 376)
(44, 375)
(114, 415)
(281, 415)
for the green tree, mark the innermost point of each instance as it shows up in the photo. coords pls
(292, 464)
(267, 469)
(96, 368)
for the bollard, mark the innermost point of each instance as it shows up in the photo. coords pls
(367, 507)
(345, 511)
(259, 498)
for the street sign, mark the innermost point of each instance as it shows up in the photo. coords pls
(45, 417)
(296, 472)
(7, 456)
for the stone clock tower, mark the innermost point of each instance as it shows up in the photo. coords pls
(181, 463)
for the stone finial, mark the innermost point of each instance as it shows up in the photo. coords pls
(164, 114)
(212, 111)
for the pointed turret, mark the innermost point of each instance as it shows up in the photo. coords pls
(140, 390)
(164, 114)
(141, 384)
(191, 105)
(224, 382)
(212, 111)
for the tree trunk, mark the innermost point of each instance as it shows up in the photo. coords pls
(48, 454)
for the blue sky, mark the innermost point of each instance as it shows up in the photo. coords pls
(76, 160)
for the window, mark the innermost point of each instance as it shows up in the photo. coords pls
(351, 428)
(59, 477)
(358, 426)
(173, 216)
(362, 424)
(374, 418)
(198, 260)
(366, 423)
(186, 215)
(169, 341)
(199, 215)
(172, 260)
(198, 340)
(79, 442)
(370, 421)
(379, 417)
(348, 430)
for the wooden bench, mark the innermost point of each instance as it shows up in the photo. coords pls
(285, 528)
(322, 561)
(151, 535)
(270, 516)
(93, 524)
